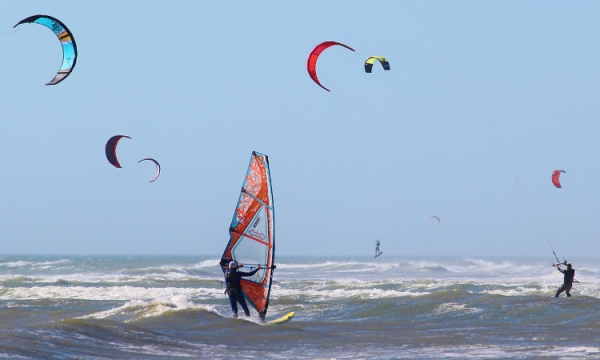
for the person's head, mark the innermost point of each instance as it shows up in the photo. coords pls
(569, 266)
(233, 265)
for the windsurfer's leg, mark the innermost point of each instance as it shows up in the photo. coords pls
(560, 289)
(568, 290)
(242, 302)
(245, 307)
(233, 302)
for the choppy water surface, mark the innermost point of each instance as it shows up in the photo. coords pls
(174, 307)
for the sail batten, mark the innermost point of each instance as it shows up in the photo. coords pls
(244, 191)
(251, 233)
(254, 239)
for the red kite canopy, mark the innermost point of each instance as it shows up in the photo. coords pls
(314, 56)
(556, 177)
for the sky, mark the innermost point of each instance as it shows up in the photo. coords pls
(484, 100)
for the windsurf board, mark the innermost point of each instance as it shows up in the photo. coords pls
(285, 318)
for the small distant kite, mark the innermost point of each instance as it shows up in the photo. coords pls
(111, 149)
(438, 219)
(311, 64)
(157, 167)
(370, 61)
(556, 177)
(66, 40)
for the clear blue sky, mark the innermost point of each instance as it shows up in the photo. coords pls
(479, 93)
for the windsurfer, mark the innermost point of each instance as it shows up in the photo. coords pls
(234, 287)
(377, 247)
(568, 280)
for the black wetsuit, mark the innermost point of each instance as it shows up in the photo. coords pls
(568, 282)
(234, 290)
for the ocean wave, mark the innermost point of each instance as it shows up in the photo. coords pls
(137, 309)
(125, 293)
(454, 308)
(33, 264)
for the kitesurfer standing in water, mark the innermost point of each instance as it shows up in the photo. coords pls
(569, 278)
(234, 287)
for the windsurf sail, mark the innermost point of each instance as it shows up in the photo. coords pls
(252, 233)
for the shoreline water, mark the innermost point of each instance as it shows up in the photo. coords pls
(103, 307)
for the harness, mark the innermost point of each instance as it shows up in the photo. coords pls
(233, 285)
(569, 276)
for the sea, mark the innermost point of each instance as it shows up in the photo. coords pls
(174, 307)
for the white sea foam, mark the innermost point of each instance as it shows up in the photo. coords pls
(450, 308)
(320, 281)
(33, 264)
(206, 264)
(105, 293)
(136, 309)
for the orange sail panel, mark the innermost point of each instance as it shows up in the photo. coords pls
(251, 233)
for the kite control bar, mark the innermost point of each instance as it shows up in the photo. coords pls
(564, 263)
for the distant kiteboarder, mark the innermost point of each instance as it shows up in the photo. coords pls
(568, 280)
(377, 252)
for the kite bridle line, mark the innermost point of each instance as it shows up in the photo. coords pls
(460, 90)
(561, 252)
(537, 219)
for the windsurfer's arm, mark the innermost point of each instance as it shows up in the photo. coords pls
(249, 273)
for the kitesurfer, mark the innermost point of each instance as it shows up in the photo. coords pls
(234, 287)
(568, 281)
(377, 247)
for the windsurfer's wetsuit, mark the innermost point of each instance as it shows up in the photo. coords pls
(568, 281)
(377, 248)
(234, 290)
